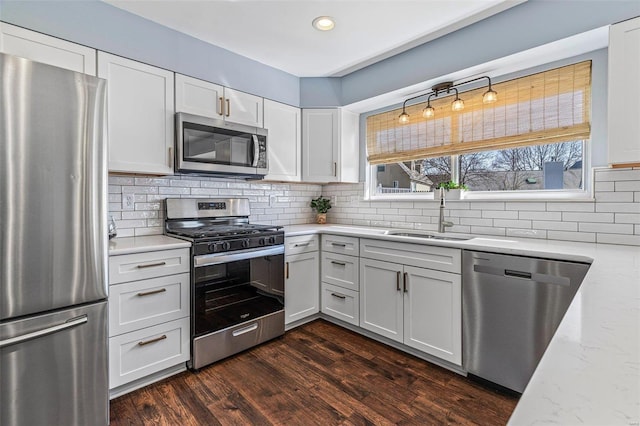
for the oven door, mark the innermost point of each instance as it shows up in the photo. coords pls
(215, 146)
(232, 288)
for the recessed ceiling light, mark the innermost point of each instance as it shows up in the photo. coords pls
(324, 23)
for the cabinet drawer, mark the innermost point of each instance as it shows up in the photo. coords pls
(420, 255)
(144, 303)
(340, 270)
(301, 244)
(140, 266)
(341, 303)
(340, 244)
(140, 353)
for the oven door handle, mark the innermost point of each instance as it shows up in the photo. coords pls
(214, 259)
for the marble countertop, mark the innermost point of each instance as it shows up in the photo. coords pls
(590, 373)
(128, 245)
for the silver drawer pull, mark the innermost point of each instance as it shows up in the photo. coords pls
(244, 330)
(157, 339)
(151, 265)
(301, 245)
(338, 263)
(339, 296)
(149, 293)
(338, 244)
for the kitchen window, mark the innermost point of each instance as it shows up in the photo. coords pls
(531, 143)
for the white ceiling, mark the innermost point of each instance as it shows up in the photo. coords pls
(279, 33)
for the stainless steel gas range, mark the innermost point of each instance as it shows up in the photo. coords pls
(237, 276)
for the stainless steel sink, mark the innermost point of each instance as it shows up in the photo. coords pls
(428, 236)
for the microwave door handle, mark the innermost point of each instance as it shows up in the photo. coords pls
(256, 150)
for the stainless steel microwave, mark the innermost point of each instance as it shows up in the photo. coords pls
(212, 146)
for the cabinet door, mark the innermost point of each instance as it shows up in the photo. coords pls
(624, 93)
(141, 115)
(46, 49)
(320, 145)
(198, 97)
(433, 312)
(243, 108)
(301, 286)
(283, 123)
(381, 298)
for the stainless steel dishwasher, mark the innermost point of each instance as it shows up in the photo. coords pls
(511, 307)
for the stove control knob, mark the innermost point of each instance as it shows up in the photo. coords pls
(245, 243)
(272, 240)
(212, 247)
(225, 245)
(261, 241)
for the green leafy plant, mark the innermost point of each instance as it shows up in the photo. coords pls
(452, 185)
(320, 204)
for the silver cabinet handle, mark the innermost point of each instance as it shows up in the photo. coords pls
(171, 157)
(335, 169)
(148, 342)
(398, 280)
(406, 282)
(49, 330)
(221, 106)
(338, 263)
(301, 245)
(286, 270)
(151, 265)
(339, 244)
(245, 330)
(339, 296)
(149, 293)
(228, 108)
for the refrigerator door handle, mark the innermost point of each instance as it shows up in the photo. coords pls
(53, 329)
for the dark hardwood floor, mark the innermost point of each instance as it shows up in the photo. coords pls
(317, 374)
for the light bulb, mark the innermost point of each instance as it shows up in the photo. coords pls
(403, 118)
(323, 23)
(490, 96)
(457, 105)
(428, 112)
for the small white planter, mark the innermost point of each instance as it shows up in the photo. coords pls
(454, 194)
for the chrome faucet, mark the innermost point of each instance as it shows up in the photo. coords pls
(442, 224)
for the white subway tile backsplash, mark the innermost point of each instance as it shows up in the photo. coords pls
(586, 237)
(613, 218)
(500, 214)
(608, 228)
(587, 217)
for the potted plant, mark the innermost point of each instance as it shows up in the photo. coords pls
(455, 191)
(321, 206)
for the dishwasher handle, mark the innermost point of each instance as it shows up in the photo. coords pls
(531, 276)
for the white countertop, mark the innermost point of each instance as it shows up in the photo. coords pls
(128, 245)
(590, 373)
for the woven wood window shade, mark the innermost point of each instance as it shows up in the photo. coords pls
(548, 107)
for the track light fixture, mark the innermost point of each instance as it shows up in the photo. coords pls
(447, 87)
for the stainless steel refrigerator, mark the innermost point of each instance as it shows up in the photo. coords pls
(53, 246)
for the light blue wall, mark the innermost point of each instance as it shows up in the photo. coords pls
(525, 26)
(102, 26)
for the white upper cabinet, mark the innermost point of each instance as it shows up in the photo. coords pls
(207, 99)
(198, 97)
(330, 145)
(48, 50)
(243, 108)
(284, 139)
(624, 93)
(140, 115)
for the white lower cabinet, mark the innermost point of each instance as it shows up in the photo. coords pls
(340, 303)
(143, 352)
(149, 324)
(419, 307)
(302, 278)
